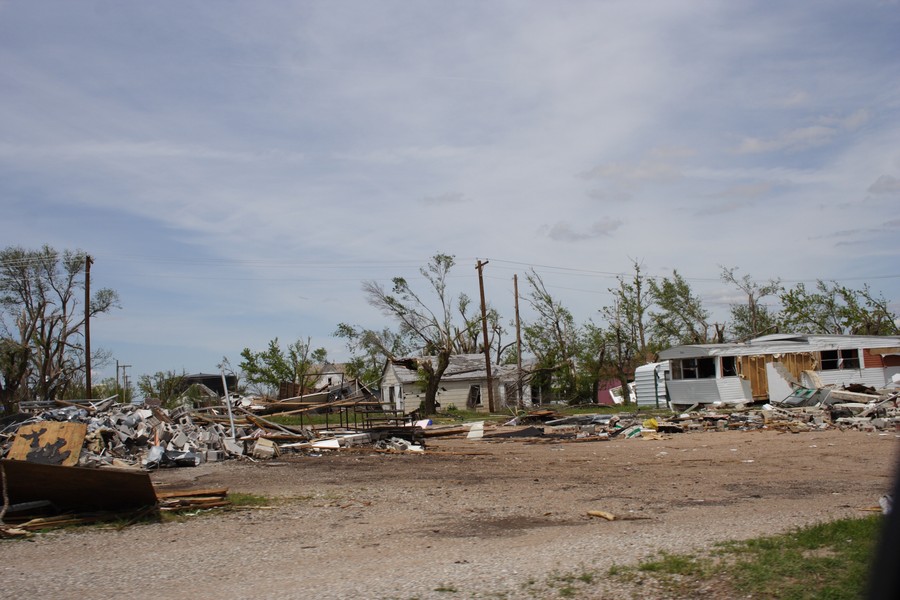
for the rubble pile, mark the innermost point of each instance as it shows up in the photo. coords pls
(859, 408)
(125, 435)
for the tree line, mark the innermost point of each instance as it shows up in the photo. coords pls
(645, 315)
(42, 320)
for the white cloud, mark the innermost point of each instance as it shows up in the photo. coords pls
(791, 141)
(796, 98)
(746, 191)
(803, 138)
(444, 199)
(565, 232)
(886, 184)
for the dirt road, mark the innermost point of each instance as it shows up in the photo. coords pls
(468, 519)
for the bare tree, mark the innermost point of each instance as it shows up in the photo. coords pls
(42, 322)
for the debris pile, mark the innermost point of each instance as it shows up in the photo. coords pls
(805, 409)
(124, 435)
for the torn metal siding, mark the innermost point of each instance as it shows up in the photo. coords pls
(732, 390)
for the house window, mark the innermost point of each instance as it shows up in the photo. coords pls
(474, 398)
(832, 360)
(729, 366)
(694, 368)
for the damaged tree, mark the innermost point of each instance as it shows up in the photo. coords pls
(42, 323)
(553, 339)
(753, 319)
(832, 308)
(436, 332)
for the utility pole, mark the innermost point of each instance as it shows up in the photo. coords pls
(520, 399)
(88, 261)
(484, 329)
(124, 380)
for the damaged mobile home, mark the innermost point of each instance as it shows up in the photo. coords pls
(769, 368)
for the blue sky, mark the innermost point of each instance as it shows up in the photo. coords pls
(237, 169)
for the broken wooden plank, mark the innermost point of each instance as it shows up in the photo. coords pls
(163, 494)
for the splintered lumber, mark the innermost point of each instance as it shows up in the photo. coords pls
(200, 498)
(174, 504)
(66, 520)
(266, 424)
(164, 494)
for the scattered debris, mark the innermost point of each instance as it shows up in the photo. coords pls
(602, 514)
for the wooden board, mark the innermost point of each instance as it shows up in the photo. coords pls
(49, 443)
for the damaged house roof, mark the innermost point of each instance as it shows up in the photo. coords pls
(462, 367)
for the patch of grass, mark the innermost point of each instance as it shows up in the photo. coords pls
(244, 500)
(828, 560)
(673, 564)
(564, 585)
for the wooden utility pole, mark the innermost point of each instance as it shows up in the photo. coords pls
(520, 400)
(484, 330)
(124, 392)
(88, 261)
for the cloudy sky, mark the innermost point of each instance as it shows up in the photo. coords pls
(237, 169)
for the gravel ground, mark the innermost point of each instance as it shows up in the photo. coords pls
(468, 519)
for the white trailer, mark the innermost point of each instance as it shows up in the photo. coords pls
(650, 384)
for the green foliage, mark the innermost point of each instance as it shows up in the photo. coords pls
(166, 386)
(835, 309)
(754, 318)
(627, 325)
(553, 339)
(680, 317)
(296, 363)
(592, 360)
(369, 349)
(42, 322)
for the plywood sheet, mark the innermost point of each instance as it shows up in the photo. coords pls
(49, 443)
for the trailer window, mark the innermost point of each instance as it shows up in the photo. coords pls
(694, 368)
(729, 366)
(832, 360)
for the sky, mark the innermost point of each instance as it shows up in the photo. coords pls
(238, 169)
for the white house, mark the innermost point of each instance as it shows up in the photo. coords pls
(764, 368)
(463, 385)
